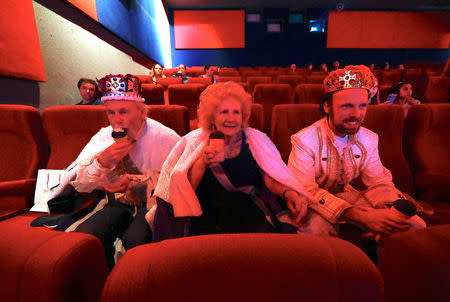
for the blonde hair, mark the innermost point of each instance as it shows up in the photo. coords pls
(214, 94)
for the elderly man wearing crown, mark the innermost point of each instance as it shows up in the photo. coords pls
(123, 159)
(335, 150)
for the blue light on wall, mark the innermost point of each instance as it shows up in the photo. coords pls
(142, 23)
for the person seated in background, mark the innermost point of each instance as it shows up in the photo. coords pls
(336, 65)
(328, 155)
(310, 67)
(372, 67)
(156, 73)
(209, 73)
(374, 94)
(324, 67)
(124, 160)
(88, 89)
(226, 177)
(181, 73)
(292, 68)
(401, 94)
(387, 67)
(401, 67)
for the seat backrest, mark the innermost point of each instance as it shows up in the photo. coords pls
(437, 90)
(256, 119)
(245, 267)
(386, 121)
(426, 139)
(153, 94)
(229, 72)
(165, 82)
(69, 128)
(251, 73)
(315, 79)
(173, 116)
(292, 80)
(187, 95)
(270, 95)
(391, 77)
(204, 81)
(252, 81)
(168, 72)
(309, 93)
(145, 79)
(229, 78)
(24, 147)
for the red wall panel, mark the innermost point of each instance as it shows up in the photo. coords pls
(360, 29)
(209, 29)
(87, 6)
(20, 53)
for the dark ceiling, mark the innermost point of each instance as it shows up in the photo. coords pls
(304, 4)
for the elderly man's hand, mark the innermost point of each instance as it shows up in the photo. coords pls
(114, 153)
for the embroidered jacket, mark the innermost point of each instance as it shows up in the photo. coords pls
(316, 162)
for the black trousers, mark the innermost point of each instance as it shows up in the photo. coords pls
(116, 220)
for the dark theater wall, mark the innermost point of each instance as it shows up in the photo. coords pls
(295, 45)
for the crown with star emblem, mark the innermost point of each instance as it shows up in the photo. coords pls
(118, 87)
(351, 76)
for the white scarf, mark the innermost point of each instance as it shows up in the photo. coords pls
(174, 186)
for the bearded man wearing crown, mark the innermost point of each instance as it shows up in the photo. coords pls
(328, 155)
(123, 160)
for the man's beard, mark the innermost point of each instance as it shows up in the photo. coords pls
(342, 128)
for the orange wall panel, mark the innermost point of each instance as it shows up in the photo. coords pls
(87, 6)
(20, 53)
(361, 29)
(196, 29)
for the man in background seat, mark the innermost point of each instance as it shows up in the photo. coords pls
(88, 91)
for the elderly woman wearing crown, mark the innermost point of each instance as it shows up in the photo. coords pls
(332, 152)
(123, 159)
(225, 177)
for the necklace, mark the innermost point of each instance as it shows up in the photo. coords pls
(234, 144)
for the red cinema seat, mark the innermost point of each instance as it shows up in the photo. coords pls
(69, 128)
(252, 81)
(426, 141)
(270, 95)
(309, 93)
(437, 90)
(168, 72)
(187, 95)
(315, 79)
(292, 80)
(245, 267)
(43, 265)
(251, 73)
(229, 72)
(24, 150)
(391, 77)
(416, 265)
(153, 94)
(145, 79)
(173, 116)
(204, 81)
(256, 119)
(165, 82)
(236, 79)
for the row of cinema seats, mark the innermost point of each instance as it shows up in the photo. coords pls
(266, 93)
(43, 265)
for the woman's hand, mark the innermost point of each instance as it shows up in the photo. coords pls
(297, 204)
(211, 156)
(121, 185)
(114, 153)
